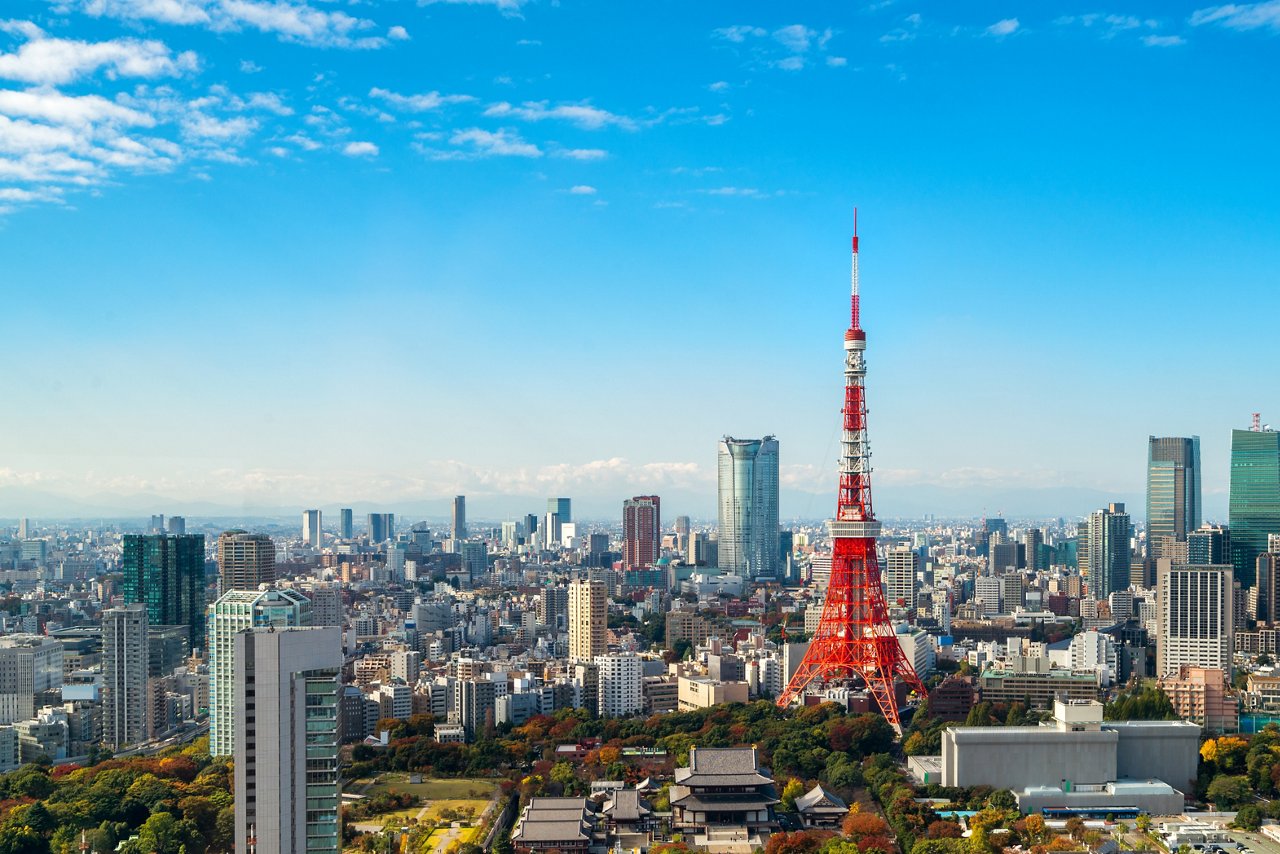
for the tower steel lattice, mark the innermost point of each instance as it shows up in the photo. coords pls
(855, 640)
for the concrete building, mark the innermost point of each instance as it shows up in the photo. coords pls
(1107, 551)
(459, 526)
(30, 675)
(245, 561)
(1078, 761)
(1038, 685)
(1196, 612)
(901, 565)
(641, 531)
(286, 754)
(125, 669)
(620, 691)
(1202, 695)
(588, 604)
(695, 692)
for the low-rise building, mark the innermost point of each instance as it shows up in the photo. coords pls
(565, 824)
(1201, 694)
(695, 692)
(723, 799)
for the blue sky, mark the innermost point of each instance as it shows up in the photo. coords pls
(269, 253)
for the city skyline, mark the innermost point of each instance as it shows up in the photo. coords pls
(987, 260)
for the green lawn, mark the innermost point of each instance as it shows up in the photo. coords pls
(435, 789)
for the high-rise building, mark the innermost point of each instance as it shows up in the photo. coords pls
(682, 528)
(901, 564)
(1033, 547)
(560, 507)
(641, 531)
(245, 560)
(551, 531)
(30, 670)
(166, 574)
(1108, 551)
(157, 523)
(459, 517)
(286, 756)
(1209, 544)
(588, 608)
(311, 528)
(24, 528)
(346, 527)
(125, 668)
(1254, 508)
(553, 607)
(748, 507)
(382, 527)
(235, 611)
(177, 525)
(1195, 606)
(475, 559)
(1173, 490)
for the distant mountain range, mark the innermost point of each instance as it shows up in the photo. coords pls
(892, 502)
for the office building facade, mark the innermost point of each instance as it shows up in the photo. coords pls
(166, 573)
(459, 528)
(1173, 490)
(311, 520)
(346, 526)
(747, 474)
(1196, 610)
(1108, 551)
(1254, 510)
(287, 687)
(588, 609)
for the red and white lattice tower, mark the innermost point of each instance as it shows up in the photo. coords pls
(855, 640)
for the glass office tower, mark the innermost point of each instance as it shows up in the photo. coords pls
(748, 487)
(166, 573)
(1173, 490)
(1255, 498)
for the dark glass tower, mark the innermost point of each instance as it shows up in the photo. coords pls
(1255, 498)
(166, 573)
(1173, 490)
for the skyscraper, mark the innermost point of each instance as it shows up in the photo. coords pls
(235, 611)
(459, 517)
(1254, 510)
(641, 531)
(346, 528)
(1209, 544)
(286, 764)
(475, 559)
(125, 662)
(1195, 606)
(166, 574)
(748, 504)
(311, 528)
(560, 507)
(30, 666)
(245, 560)
(1173, 490)
(1032, 546)
(588, 610)
(1108, 551)
(382, 527)
(177, 524)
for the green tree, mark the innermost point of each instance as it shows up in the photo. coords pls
(1228, 791)
(1248, 817)
(790, 792)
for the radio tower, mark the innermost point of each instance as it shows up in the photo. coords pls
(855, 640)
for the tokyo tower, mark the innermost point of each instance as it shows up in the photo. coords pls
(854, 640)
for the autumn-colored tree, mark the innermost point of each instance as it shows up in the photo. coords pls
(942, 829)
(857, 825)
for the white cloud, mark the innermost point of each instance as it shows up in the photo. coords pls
(1241, 16)
(581, 114)
(581, 153)
(476, 142)
(56, 61)
(1005, 27)
(417, 103)
(837, 61)
(360, 149)
(791, 63)
(248, 66)
(289, 20)
(509, 7)
(582, 190)
(78, 111)
(743, 192)
(718, 86)
(1163, 41)
(398, 34)
(795, 38)
(739, 33)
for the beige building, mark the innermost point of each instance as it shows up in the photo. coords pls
(695, 692)
(1200, 694)
(588, 606)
